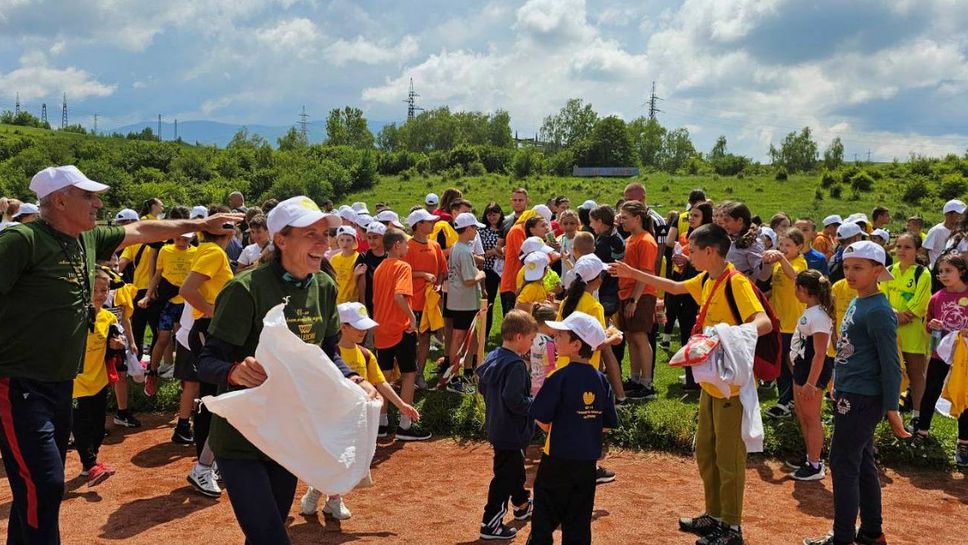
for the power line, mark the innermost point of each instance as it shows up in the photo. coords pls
(304, 123)
(176, 128)
(95, 123)
(652, 100)
(43, 112)
(159, 126)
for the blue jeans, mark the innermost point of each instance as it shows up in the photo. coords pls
(261, 492)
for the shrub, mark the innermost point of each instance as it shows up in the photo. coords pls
(952, 186)
(916, 190)
(828, 179)
(528, 162)
(561, 163)
(781, 174)
(818, 195)
(862, 181)
(836, 191)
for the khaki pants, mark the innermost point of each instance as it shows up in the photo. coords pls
(721, 455)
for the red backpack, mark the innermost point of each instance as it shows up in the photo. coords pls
(769, 348)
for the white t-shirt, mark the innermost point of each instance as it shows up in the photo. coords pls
(250, 254)
(543, 358)
(935, 242)
(813, 320)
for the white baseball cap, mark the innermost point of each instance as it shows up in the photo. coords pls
(534, 266)
(769, 233)
(363, 219)
(30, 208)
(832, 219)
(588, 205)
(854, 218)
(432, 199)
(883, 234)
(535, 244)
(848, 229)
(543, 211)
(52, 179)
(467, 220)
(190, 234)
(954, 205)
(348, 214)
(419, 215)
(866, 249)
(346, 230)
(198, 212)
(587, 328)
(298, 211)
(376, 228)
(354, 315)
(126, 214)
(389, 216)
(360, 207)
(588, 267)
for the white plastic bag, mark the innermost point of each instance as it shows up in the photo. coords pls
(136, 369)
(306, 416)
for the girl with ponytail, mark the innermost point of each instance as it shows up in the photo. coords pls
(746, 252)
(812, 369)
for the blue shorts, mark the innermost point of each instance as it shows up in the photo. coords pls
(170, 315)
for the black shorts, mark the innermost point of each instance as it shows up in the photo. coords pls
(446, 312)
(463, 318)
(184, 364)
(802, 370)
(404, 353)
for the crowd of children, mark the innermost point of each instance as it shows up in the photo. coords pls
(859, 327)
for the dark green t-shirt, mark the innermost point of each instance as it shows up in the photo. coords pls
(239, 309)
(42, 299)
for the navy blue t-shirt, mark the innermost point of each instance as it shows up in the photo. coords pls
(577, 401)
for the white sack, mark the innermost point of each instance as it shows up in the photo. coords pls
(306, 416)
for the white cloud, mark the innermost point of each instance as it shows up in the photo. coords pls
(298, 37)
(361, 50)
(553, 22)
(41, 81)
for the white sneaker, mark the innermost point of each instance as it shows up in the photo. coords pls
(202, 480)
(309, 502)
(337, 509)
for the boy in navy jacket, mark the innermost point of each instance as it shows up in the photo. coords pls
(505, 384)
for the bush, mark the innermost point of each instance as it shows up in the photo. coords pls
(862, 181)
(561, 163)
(528, 162)
(828, 179)
(916, 190)
(495, 159)
(781, 174)
(953, 186)
(836, 191)
(476, 169)
(818, 195)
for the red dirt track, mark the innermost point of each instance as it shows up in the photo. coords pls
(434, 492)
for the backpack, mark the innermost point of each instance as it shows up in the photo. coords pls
(769, 347)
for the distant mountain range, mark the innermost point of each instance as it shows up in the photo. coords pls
(220, 134)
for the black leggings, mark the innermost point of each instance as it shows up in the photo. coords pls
(142, 318)
(88, 426)
(937, 372)
(202, 417)
(492, 283)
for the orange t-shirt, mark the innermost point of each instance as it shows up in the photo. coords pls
(824, 245)
(512, 261)
(640, 253)
(424, 257)
(393, 276)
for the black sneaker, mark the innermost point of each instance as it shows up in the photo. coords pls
(725, 536)
(456, 385)
(864, 539)
(383, 431)
(649, 392)
(807, 472)
(501, 532)
(665, 345)
(961, 455)
(127, 420)
(414, 433)
(524, 513)
(182, 435)
(779, 411)
(919, 441)
(795, 463)
(701, 526)
(620, 402)
(712, 536)
(603, 475)
(912, 426)
(630, 386)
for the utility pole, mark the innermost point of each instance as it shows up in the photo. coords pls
(159, 126)
(868, 155)
(304, 124)
(652, 100)
(64, 113)
(176, 128)
(411, 101)
(16, 108)
(95, 123)
(43, 112)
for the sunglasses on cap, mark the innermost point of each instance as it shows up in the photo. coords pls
(332, 232)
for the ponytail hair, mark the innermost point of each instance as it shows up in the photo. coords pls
(542, 312)
(636, 208)
(739, 211)
(817, 285)
(572, 296)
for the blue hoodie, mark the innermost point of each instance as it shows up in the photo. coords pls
(506, 386)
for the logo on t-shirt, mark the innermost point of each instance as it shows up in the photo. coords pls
(588, 398)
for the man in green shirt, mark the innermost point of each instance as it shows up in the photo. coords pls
(46, 277)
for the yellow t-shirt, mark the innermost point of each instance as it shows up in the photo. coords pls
(211, 261)
(142, 270)
(533, 292)
(842, 295)
(94, 377)
(719, 311)
(124, 298)
(590, 306)
(345, 281)
(783, 296)
(369, 370)
(175, 265)
(906, 295)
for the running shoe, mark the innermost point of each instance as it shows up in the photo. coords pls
(863, 539)
(127, 420)
(414, 433)
(309, 502)
(524, 513)
(335, 508)
(825, 540)
(603, 475)
(701, 526)
(501, 532)
(795, 463)
(912, 426)
(98, 473)
(642, 392)
(724, 536)
(151, 383)
(383, 431)
(457, 385)
(807, 472)
(665, 345)
(919, 440)
(780, 410)
(202, 480)
(961, 455)
(630, 385)
(182, 435)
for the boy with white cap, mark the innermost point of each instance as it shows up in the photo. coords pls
(429, 265)
(867, 381)
(463, 289)
(938, 235)
(354, 325)
(372, 259)
(574, 408)
(825, 241)
(847, 234)
(431, 201)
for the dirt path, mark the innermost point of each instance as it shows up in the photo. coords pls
(434, 493)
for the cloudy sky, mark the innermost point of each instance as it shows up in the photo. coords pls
(887, 76)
